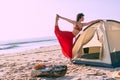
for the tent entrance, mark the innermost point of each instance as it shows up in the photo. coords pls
(93, 49)
(91, 52)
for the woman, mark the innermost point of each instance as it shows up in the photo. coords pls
(65, 38)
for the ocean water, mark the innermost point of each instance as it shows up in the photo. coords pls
(26, 44)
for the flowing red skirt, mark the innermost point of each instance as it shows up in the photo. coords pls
(65, 39)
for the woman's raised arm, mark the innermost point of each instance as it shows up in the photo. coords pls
(91, 22)
(68, 20)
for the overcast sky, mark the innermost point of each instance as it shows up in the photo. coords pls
(22, 19)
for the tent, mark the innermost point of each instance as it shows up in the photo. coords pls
(98, 45)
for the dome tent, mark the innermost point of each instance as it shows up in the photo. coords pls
(98, 45)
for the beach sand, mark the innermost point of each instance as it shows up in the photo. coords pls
(18, 66)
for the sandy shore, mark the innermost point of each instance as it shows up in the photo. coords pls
(18, 66)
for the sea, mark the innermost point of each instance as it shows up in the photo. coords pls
(12, 46)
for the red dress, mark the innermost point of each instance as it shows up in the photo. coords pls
(65, 39)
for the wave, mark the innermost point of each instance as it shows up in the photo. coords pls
(7, 47)
(32, 41)
(28, 43)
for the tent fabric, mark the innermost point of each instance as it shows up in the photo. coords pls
(83, 39)
(113, 31)
(106, 36)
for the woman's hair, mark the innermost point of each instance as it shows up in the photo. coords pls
(79, 16)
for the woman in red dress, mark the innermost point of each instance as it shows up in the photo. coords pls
(65, 38)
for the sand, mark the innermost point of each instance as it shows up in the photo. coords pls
(18, 66)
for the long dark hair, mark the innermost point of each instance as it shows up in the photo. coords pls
(79, 16)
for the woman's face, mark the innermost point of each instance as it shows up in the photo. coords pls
(82, 19)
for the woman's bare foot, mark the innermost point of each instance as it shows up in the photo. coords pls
(56, 20)
(71, 61)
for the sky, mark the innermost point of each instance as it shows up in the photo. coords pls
(23, 19)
